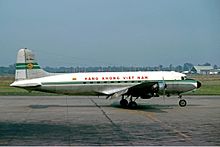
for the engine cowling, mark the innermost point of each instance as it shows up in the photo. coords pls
(154, 90)
(158, 87)
(162, 86)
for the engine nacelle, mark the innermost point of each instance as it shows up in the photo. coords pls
(147, 90)
(162, 86)
(154, 90)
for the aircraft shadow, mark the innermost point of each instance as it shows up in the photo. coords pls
(63, 106)
(147, 107)
(158, 108)
(141, 107)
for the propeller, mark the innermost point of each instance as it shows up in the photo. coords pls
(164, 89)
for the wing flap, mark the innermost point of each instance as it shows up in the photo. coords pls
(112, 91)
(139, 90)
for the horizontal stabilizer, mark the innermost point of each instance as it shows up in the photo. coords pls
(25, 85)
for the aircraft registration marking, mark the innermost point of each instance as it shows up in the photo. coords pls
(89, 78)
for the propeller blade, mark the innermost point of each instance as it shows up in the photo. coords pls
(164, 90)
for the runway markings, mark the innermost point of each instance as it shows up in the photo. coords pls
(71, 120)
(152, 117)
(123, 133)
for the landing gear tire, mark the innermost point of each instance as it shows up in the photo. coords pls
(124, 103)
(182, 103)
(132, 105)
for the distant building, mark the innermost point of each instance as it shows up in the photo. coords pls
(204, 70)
(214, 72)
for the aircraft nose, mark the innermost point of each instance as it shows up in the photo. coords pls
(199, 84)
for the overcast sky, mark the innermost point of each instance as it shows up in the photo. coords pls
(111, 32)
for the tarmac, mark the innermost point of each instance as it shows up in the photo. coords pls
(83, 120)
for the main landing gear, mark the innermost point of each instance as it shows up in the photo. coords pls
(182, 102)
(124, 103)
(132, 104)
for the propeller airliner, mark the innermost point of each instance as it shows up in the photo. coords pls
(128, 85)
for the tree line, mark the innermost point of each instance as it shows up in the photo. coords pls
(10, 70)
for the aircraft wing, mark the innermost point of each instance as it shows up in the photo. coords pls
(144, 90)
(115, 92)
(140, 90)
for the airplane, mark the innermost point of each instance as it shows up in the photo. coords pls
(127, 85)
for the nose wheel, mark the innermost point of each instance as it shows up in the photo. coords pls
(182, 102)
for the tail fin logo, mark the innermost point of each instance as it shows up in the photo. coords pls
(30, 66)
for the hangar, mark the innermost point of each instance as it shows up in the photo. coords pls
(204, 70)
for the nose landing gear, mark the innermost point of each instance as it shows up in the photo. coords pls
(182, 102)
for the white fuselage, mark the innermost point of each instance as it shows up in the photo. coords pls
(104, 83)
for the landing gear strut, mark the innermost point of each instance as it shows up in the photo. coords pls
(182, 102)
(132, 104)
(124, 103)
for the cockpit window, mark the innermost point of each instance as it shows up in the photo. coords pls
(183, 77)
